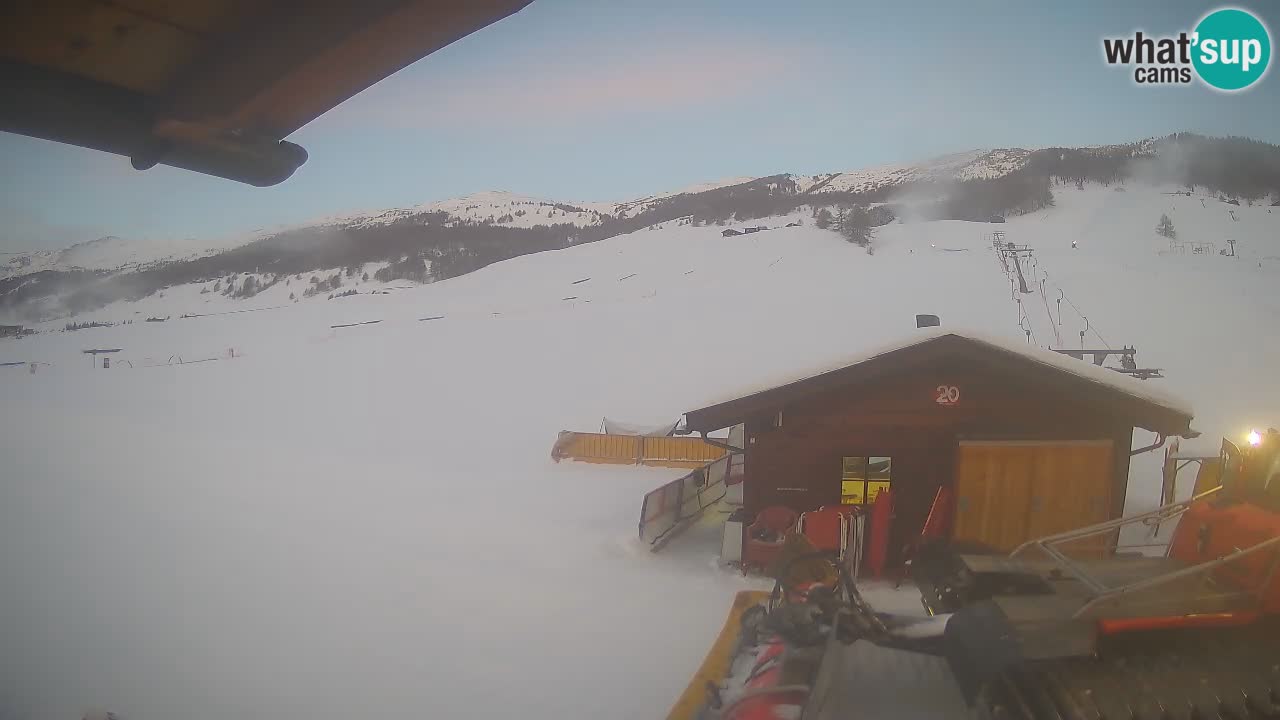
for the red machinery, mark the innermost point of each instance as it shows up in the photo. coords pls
(1068, 626)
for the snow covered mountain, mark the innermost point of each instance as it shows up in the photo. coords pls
(447, 238)
(105, 253)
(976, 165)
(502, 208)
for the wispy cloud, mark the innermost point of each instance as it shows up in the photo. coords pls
(589, 88)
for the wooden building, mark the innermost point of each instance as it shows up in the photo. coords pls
(1031, 442)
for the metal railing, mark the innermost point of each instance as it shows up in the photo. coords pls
(1204, 568)
(1103, 593)
(671, 508)
(857, 525)
(1151, 517)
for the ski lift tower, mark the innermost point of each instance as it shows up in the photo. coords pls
(1012, 251)
(1128, 362)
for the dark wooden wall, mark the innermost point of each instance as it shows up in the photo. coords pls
(799, 463)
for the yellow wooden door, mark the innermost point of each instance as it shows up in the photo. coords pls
(993, 493)
(1071, 488)
(1011, 492)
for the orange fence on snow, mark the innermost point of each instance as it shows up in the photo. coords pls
(676, 452)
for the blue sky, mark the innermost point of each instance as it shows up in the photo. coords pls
(589, 100)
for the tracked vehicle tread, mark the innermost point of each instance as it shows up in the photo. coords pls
(1165, 675)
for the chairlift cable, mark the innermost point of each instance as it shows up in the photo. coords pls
(1095, 330)
(1056, 335)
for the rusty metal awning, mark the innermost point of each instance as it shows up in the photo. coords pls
(213, 86)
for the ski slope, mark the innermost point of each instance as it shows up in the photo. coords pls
(364, 521)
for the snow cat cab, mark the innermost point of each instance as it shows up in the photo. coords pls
(1072, 625)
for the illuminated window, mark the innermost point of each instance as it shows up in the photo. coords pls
(853, 481)
(862, 478)
(879, 476)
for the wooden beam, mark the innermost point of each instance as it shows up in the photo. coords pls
(298, 59)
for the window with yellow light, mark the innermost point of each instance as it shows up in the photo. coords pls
(863, 478)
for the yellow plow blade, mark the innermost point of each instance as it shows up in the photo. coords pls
(715, 666)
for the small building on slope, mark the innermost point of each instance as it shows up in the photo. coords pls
(1029, 441)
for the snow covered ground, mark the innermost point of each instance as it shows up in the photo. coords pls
(365, 522)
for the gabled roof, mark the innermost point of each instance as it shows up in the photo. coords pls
(213, 86)
(1147, 406)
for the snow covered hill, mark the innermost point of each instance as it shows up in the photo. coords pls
(976, 165)
(362, 520)
(112, 253)
(631, 207)
(496, 207)
(508, 209)
(456, 236)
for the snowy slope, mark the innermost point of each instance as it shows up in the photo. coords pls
(631, 207)
(504, 208)
(364, 521)
(499, 207)
(975, 165)
(123, 254)
(112, 253)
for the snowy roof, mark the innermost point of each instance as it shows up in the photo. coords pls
(1103, 378)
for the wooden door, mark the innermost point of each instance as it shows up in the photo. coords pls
(1071, 488)
(1011, 492)
(993, 494)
